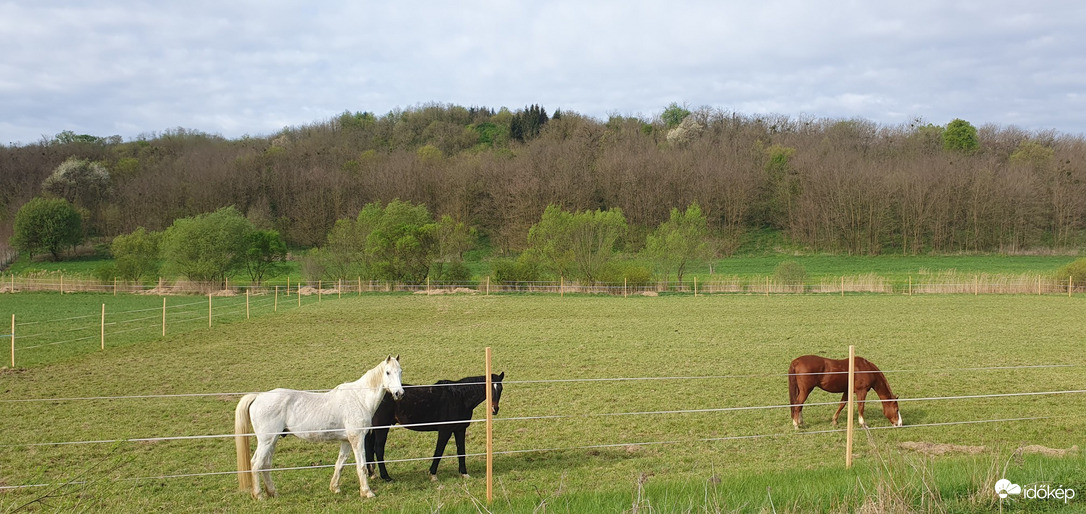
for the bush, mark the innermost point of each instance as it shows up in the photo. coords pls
(455, 272)
(617, 272)
(1076, 270)
(521, 269)
(105, 273)
(790, 273)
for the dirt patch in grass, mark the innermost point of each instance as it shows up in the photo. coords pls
(1048, 452)
(942, 448)
(458, 290)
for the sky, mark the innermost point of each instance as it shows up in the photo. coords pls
(236, 68)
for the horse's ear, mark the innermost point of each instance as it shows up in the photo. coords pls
(397, 358)
(389, 358)
(501, 376)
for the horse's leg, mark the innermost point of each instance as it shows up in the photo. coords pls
(861, 395)
(370, 469)
(442, 441)
(344, 451)
(797, 407)
(844, 401)
(380, 438)
(357, 440)
(461, 454)
(261, 464)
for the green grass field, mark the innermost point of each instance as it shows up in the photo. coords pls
(602, 445)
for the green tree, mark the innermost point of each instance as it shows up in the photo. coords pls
(265, 254)
(679, 241)
(454, 238)
(584, 241)
(209, 246)
(136, 254)
(674, 114)
(401, 240)
(960, 136)
(47, 225)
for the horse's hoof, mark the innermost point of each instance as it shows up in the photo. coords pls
(387, 478)
(433, 478)
(465, 475)
(334, 489)
(368, 494)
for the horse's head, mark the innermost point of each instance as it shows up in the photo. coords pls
(890, 409)
(496, 383)
(391, 374)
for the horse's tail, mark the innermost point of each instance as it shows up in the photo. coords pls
(793, 385)
(242, 429)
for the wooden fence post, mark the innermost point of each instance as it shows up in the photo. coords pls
(61, 283)
(851, 386)
(299, 295)
(114, 286)
(339, 288)
(288, 286)
(489, 432)
(1068, 286)
(320, 285)
(246, 304)
(488, 285)
(624, 284)
(163, 316)
(695, 287)
(562, 287)
(103, 326)
(842, 285)
(13, 340)
(276, 308)
(208, 310)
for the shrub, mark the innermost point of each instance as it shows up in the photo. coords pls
(521, 269)
(617, 272)
(1076, 270)
(790, 273)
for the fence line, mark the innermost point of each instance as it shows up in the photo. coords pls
(540, 450)
(555, 417)
(925, 283)
(563, 380)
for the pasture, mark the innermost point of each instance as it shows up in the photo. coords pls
(670, 403)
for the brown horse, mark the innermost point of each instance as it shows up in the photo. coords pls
(831, 375)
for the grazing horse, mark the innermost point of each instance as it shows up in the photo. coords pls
(444, 401)
(831, 375)
(342, 414)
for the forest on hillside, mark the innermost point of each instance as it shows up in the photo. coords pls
(831, 185)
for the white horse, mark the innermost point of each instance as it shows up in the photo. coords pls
(342, 414)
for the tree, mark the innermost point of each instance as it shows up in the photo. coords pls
(401, 240)
(209, 246)
(679, 241)
(79, 181)
(453, 239)
(960, 136)
(583, 241)
(47, 225)
(674, 114)
(136, 254)
(265, 254)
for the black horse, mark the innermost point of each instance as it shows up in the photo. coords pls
(442, 402)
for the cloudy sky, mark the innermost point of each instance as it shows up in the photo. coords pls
(253, 67)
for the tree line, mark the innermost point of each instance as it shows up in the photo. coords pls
(824, 184)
